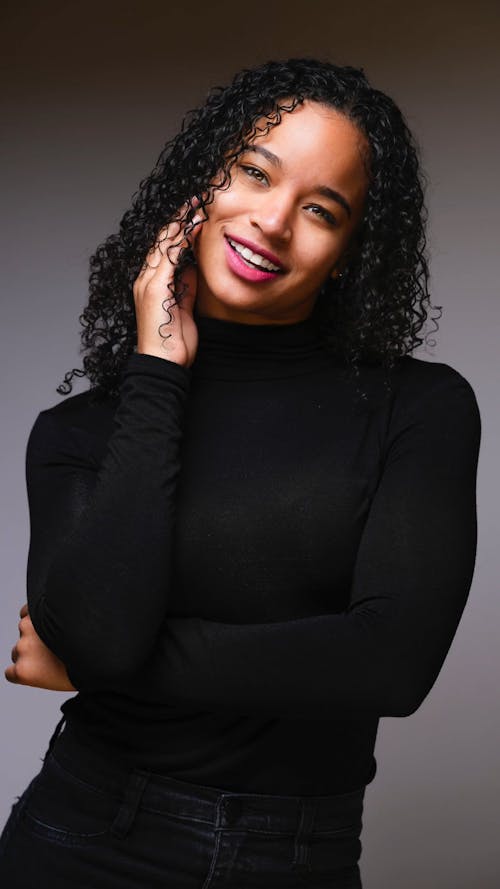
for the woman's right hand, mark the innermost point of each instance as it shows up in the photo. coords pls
(33, 663)
(155, 305)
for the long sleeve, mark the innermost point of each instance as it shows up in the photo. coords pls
(412, 576)
(101, 535)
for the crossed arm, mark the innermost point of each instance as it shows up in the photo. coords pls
(383, 654)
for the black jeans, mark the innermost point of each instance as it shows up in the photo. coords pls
(84, 821)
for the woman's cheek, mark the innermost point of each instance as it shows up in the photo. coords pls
(230, 202)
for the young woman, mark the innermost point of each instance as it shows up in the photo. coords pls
(255, 534)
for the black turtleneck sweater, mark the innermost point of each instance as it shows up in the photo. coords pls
(243, 564)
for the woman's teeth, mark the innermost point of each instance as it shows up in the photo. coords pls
(254, 259)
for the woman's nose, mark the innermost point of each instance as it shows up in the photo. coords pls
(274, 217)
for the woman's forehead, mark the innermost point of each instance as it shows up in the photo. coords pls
(312, 139)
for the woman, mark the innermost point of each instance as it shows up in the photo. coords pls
(255, 534)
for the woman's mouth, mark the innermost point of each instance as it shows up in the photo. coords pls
(247, 264)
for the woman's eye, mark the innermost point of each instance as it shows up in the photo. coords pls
(254, 173)
(320, 211)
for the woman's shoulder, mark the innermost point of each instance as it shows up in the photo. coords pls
(423, 387)
(415, 375)
(414, 381)
(80, 423)
(86, 408)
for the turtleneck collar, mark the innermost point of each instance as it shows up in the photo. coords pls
(234, 350)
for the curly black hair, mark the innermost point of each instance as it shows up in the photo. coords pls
(373, 313)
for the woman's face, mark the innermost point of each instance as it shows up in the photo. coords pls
(295, 199)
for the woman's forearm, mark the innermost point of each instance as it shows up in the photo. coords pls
(412, 577)
(101, 536)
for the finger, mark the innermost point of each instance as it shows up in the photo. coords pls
(25, 625)
(162, 255)
(194, 227)
(161, 276)
(158, 271)
(14, 654)
(156, 252)
(188, 282)
(193, 203)
(168, 242)
(10, 674)
(24, 610)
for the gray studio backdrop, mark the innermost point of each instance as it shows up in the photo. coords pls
(91, 93)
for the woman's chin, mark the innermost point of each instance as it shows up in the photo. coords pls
(238, 303)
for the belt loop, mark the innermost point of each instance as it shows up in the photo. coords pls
(220, 811)
(134, 789)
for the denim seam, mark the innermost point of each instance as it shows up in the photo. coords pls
(61, 832)
(247, 830)
(302, 847)
(175, 815)
(338, 831)
(217, 845)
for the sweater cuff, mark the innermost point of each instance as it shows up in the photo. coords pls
(161, 368)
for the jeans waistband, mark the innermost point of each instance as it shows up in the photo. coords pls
(214, 805)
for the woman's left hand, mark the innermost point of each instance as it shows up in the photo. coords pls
(33, 663)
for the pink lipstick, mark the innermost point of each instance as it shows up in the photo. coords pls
(241, 268)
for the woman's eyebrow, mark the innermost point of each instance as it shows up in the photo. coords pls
(324, 190)
(272, 158)
(334, 195)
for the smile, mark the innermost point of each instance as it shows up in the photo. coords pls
(253, 260)
(248, 265)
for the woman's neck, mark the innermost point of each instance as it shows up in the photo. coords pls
(236, 350)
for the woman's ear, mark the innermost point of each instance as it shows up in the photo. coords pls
(336, 272)
(343, 261)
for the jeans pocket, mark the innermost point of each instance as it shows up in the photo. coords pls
(64, 809)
